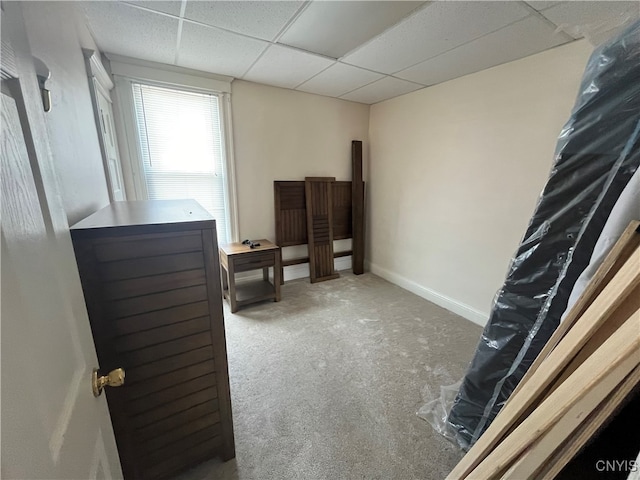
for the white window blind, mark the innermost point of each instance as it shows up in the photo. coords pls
(180, 138)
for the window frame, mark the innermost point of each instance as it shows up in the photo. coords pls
(132, 162)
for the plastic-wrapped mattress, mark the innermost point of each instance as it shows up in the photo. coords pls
(597, 154)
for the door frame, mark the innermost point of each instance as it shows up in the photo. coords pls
(99, 79)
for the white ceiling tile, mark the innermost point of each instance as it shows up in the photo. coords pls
(339, 79)
(523, 38)
(335, 28)
(435, 29)
(125, 30)
(286, 67)
(580, 18)
(217, 51)
(438, 27)
(171, 7)
(257, 19)
(383, 89)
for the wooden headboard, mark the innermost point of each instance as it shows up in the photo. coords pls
(291, 212)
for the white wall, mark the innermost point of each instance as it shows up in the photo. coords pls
(282, 134)
(456, 170)
(56, 38)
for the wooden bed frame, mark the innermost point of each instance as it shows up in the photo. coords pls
(291, 216)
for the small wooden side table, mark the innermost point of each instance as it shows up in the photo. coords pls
(236, 258)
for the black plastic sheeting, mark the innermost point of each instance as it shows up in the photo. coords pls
(597, 153)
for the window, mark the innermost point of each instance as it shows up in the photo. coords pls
(181, 146)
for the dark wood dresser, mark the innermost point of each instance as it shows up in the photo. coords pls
(151, 280)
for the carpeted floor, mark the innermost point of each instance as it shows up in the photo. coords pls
(326, 383)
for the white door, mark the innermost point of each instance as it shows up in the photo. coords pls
(52, 425)
(105, 114)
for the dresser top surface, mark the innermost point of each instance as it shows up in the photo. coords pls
(145, 212)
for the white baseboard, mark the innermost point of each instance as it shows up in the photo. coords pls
(470, 313)
(297, 271)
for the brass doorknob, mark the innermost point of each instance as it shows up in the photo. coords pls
(115, 378)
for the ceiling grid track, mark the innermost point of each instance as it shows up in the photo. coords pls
(540, 15)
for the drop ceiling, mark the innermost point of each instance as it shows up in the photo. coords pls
(363, 51)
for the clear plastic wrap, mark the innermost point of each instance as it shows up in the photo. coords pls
(597, 153)
(436, 411)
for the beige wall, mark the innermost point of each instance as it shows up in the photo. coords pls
(57, 39)
(282, 134)
(456, 170)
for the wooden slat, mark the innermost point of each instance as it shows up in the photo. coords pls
(149, 247)
(301, 260)
(169, 364)
(166, 349)
(293, 221)
(144, 267)
(168, 380)
(186, 443)
(615, 320)
(295, 261)
(290, 213)
(342, 226)
(611, 297)
(169, 316)
(178, 434)
(154, 415)
(136, 287)
(136, 341)
(320, 228)
(119, 237)
(157, 301)
(144, 372)
(541, 449)
(619, 254)
(170, 394)
(169, 466)
(357, 190)
(593, 381)
(174, 421)
(589, 427)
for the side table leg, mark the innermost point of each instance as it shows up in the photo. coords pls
(223, 278)
(265, 274)
(277, 274)
(232, 287)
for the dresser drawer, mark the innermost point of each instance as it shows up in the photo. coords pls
(252, 261)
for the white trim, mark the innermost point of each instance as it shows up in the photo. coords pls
(100, 83)
(470, 313)
(168, 74)
(230, 168)
(132, 165)
(97, 69)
